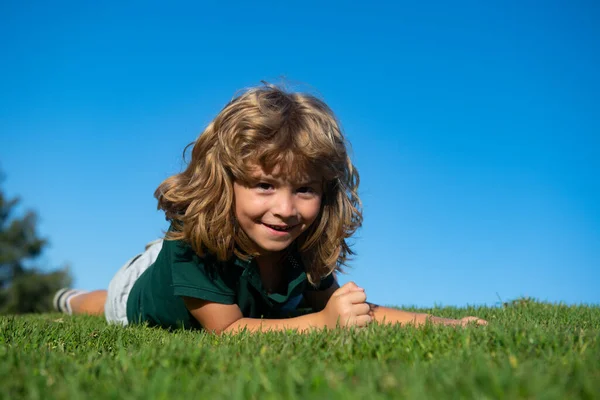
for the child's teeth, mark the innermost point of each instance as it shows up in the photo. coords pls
(277, 228)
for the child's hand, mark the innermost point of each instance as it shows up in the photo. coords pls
(347, 306)
(467, 320)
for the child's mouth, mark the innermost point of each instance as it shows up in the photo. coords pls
(280, 228)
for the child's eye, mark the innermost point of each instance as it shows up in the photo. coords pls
(308, 190)
(264, 186)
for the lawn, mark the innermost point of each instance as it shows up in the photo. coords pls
(529, 350)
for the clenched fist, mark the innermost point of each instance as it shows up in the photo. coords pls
(347, 307)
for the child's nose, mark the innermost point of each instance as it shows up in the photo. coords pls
(285, 206)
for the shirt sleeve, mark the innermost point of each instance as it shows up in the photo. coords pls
(198, 277)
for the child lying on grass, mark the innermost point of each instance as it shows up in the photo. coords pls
(259, 223)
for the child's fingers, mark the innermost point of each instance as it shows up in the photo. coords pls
(347, 288)
(357, 289)
(356, 297)
(362, 320)
(361, 309)
(478, 321)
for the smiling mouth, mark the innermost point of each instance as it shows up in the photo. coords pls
(280, 228)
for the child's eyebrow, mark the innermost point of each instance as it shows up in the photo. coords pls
(308, 182)
(271, 178)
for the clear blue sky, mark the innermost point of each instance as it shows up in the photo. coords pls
(475, 127)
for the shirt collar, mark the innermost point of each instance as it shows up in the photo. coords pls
(292, 259)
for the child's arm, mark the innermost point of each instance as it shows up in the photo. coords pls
(395, 316)
(319, 299)
(347, 305)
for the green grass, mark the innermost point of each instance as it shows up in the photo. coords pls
(529, 350)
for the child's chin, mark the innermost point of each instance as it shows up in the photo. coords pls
(275, 249)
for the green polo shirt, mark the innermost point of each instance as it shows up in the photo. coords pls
(156, 296)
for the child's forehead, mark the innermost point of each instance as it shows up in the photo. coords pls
(288, 173)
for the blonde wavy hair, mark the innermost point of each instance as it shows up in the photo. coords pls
(269, 127)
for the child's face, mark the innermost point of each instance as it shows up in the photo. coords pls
(273, 211)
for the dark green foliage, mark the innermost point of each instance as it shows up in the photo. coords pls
(24, 289)
(529, 350)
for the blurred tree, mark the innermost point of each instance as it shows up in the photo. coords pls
(24, 288)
